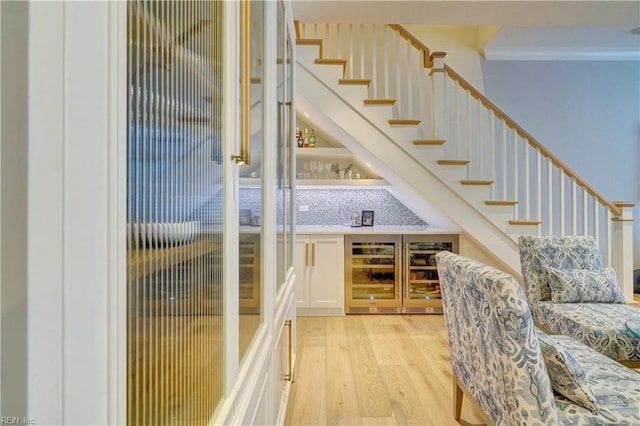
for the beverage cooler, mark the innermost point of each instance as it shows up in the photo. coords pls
(392, 274)
(421, 284)
(373, 274)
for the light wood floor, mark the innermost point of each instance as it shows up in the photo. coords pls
(373, 370)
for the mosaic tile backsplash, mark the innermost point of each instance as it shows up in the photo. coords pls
(329, 207)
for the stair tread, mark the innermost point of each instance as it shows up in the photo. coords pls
(428, 142)
(330, 61)
(500, 203)
(379, 101)
(404, 122)
(476, 182)
(309, 41)
(525, 222)
(364, 81)
(453, 162)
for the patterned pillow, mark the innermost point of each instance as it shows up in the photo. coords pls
(582, 286)
(566, 375)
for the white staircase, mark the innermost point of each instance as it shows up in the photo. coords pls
(450, 144)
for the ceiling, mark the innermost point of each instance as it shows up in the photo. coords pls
(522, 30)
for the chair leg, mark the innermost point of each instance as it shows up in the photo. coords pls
(457, 399)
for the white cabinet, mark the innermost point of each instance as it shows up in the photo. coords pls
(320, 274)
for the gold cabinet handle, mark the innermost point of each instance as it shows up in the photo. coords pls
(245, 82)
(313, 254)
(306, 254)
(289, 376)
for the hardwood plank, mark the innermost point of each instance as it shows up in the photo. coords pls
(310, 407)
(355, 386)
(386, 351)
(405, 399)
(342, 404)
(373, 399)
(379, 421)
(315, 331)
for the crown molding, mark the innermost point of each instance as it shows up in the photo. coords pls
(561, 54)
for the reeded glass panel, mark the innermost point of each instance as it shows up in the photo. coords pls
(250, 218)
(174, 212)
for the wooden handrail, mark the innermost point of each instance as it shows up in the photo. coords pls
(531, 140)
(414, 42)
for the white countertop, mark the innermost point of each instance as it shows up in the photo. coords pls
(379, 229)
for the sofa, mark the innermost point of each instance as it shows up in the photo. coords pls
(515, 373)
(595, 317)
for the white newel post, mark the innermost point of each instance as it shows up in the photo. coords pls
(438, 76)
(623, 247)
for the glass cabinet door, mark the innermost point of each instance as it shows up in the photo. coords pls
(373, 274)
(421, 281)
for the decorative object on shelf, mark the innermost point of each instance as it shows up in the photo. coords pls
(367, 217)
(245, 216)
(355, 220)
(162, 234)
(312, 139)
(299, 140)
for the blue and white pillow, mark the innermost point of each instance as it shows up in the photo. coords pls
(567, 377)
(583, 286)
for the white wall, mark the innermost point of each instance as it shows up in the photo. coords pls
(588, 113)
(461, 44)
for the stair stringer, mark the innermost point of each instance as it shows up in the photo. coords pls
(382, 147)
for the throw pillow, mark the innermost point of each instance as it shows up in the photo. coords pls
(582, 286)
(566, 375)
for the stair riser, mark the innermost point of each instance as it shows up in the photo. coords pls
(517, 230)
(451, 174)
(404, 135)
(473, 194)
(328, 73)
(380, 114)
(307, 54)
(352, 93)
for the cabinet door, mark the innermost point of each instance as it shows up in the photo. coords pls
(302, 271)
(326, 286)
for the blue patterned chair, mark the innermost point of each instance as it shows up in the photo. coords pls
(515, 373)
(556, 272)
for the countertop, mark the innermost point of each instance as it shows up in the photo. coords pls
(378, 229)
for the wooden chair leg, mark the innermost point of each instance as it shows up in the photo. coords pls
(457, 399)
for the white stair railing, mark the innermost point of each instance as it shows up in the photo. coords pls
(544, 191)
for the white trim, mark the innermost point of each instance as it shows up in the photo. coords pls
(560, 54)
(46, 274)
(117, 202)
(231, 92)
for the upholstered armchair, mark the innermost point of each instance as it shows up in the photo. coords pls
(572, 294)
(516, 374)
